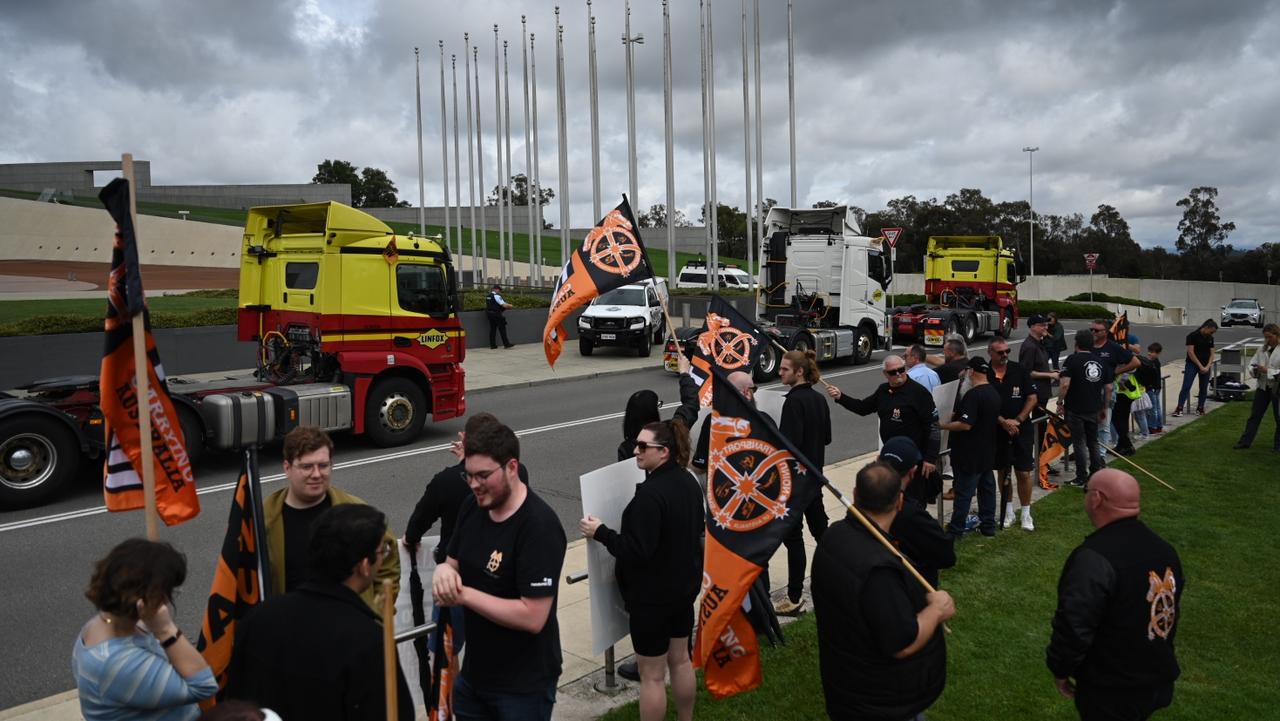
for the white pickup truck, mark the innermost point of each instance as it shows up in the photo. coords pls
(627, 316)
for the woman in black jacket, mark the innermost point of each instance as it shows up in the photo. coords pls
(659, 552)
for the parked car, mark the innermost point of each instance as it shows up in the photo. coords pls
(1244, 311)
(627, 316)
(694, 275)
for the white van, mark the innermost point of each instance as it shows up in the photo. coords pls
(694, 275)
(627, 316)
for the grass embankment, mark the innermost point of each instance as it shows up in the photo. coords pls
(1221, 521)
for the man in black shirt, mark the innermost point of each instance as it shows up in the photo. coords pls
(881, 652)
(955, 355)
(904, 408)
(1199, 364)
(919, 536)
(1119, 599)
(1120, 360)
(973, 450)
(806, 422)
(1033, 356)
(1018, 399)
(1083, 395)
(503, 566)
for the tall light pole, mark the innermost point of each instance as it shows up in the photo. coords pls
(628, 40)
(746, 136)
(530, 193)
(562, 135)
(668, 126)
(752, 245)
(471, 152)
(791, 94)
(502, 182)
(444, 151)
(457, 164)
(422, 184)
(1031, 201)
(595, 115)
(537, 184)
(484, 230)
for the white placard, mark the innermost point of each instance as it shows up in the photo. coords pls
(944, 397)
(770, 402)
(605, 494)
(404, 609)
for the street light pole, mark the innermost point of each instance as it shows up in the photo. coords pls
(1031, 201)
(628, 40)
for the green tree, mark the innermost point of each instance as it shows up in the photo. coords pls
(826, 204)
(339, 172)
(518, 190)
(1201, 231)
(656, 217)
(377, 190)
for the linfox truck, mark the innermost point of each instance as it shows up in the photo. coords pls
(970, 287)
(356, 330)
(822, 287)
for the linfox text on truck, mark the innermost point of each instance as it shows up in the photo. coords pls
(356, 330)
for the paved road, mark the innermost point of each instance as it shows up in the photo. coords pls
(566, 429)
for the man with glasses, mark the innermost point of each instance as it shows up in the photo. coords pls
(290, 512)
(1018, 399)
(974, 435)
(502, 569)
(1119, 360)
(316, 652)
(904, 408)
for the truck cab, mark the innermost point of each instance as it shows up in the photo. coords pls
(970, 289)
(627, 316)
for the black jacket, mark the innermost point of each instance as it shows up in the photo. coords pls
(806, 422)
(1119, 599)
(441, 500)
(922, 540)
(659, 548)
(315, 653)
(907, 411)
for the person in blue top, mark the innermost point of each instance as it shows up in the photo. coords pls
(130, 660)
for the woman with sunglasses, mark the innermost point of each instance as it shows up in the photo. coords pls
(659, 552)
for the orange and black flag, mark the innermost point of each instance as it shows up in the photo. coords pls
(444, 669)
(612, 255)
(757, 486)
(242, 578)
(728, 341)
(1119, 330)
(1054, 442)
(122, 483)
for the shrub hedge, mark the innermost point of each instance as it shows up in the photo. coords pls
(1104, 298)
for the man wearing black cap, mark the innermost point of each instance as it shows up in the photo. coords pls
(973, 450)
(920, 537)
(495, 309)
(1083, 396)
(1033, 357)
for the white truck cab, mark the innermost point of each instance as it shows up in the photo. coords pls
(627, 316)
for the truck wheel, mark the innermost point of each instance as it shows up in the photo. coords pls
(863, 344)
(1006, 324)
(660, 333)
(38, 456)
(645, 346)
(192, 433)
(585, 346)
(953, 326)
(394, 412)
(767, 368)
(970, 325)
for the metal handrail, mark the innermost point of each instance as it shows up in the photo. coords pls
(415, 633)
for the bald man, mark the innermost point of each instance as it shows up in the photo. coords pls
(1119, 599)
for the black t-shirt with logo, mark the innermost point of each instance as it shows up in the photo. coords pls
(520, 557)
(974, 450)
(1089, 376)
(1014, 388)
(1202, 345)
(297, 539)
(1114, 355)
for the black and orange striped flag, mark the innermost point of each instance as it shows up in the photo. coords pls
(122, 482)
(728, 341)
(757, 486)
(242, 578)
(1054, 442)
(611, 256)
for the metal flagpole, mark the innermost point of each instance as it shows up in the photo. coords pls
(529, 196)
(444, 146)
(537, 186)
(484, 231)
(706, 144)
(457, 164)
(670, 144)
(627, 42)
(510, 199)
(713, 270)
(751, 248)
(471, 154)
(563, 134)
(422, 183)
(791, 94)
(502, 179)
(595, 114)
(746, 135)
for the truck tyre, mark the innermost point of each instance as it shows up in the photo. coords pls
(660, 333)
(767, 367)
(394, 412)
(645, 346)
(953, 326)
(585, 346)
(38, 456)
(863, 345)
(1006, 323)
(192, 433)
(970, 328)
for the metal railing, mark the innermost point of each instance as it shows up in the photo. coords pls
(610, 685)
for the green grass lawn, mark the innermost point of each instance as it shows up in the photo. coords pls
(1222, 522)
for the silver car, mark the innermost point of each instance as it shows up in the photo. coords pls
(1243, 311)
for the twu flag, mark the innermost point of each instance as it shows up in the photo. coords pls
(1119, 330)
(757, 486)
(728, 341)
(241, 578)
(122, 483)
(1054, 442)
(611, 256)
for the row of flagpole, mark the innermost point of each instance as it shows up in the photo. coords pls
(453, 221)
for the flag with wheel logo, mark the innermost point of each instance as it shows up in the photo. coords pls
(611, 256)
(728, 341)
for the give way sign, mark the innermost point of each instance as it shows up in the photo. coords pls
(1091, 260)
(891, 235)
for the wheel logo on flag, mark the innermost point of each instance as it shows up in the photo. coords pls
(612, 247)
(750, 486)
(1164, 610)
(729, 347)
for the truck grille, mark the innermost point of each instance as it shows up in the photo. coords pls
(608, 323)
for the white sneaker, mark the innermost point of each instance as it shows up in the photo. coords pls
(1008, 515)
(1027, 523)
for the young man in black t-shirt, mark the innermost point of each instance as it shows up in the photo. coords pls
(1018, 399)
(503, 566)
(1083, 394)
(1199, 363)
(973, 450)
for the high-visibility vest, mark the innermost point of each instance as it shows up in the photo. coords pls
(1129, 386)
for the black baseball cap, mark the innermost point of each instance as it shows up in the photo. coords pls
(1037, 319)
(978, 363)
(901, 453)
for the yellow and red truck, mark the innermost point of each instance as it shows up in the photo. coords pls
(970, 288)
(357, 329)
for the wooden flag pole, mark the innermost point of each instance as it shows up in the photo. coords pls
(141, 379)
(1111, 450)
(389, 647)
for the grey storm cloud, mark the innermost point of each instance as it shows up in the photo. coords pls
(1131, 103)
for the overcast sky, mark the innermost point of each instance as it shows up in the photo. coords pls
(1131, 103)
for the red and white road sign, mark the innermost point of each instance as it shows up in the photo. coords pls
(891, 235)
(1091, 260)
